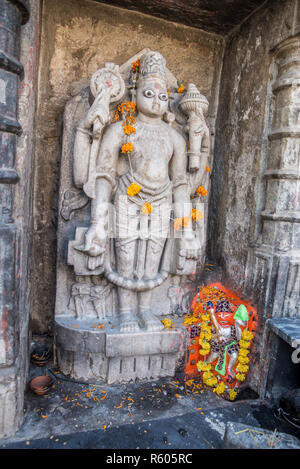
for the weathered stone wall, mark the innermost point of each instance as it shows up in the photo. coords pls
(18, 64)
(241, 150)
(78, 38)
(237, 197)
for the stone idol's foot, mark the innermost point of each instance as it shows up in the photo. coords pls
(129, 323)
(151, 322)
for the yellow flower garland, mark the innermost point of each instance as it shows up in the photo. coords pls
(220, 388)
(243, 359)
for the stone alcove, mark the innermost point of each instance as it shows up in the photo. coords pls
(235, 69)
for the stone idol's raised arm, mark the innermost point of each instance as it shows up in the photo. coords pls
(107, 86)
(90, 126)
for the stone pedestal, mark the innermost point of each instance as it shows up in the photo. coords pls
(85, 352)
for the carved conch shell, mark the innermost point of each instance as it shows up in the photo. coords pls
(192, 99)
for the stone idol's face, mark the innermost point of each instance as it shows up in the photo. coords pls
(152, 97)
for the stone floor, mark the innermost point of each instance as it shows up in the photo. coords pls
(165, 414)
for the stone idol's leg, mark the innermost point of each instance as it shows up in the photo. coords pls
(125, 254)
(154, 252)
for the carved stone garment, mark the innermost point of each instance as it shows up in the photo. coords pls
(147, 232)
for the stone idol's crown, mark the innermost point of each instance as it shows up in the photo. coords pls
(153, 64)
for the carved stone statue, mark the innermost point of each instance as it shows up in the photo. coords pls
(195, 105)
(132, 219)
(156, 164)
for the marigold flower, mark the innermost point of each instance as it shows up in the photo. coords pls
(121, 106)
(180, 89)
(127, 147)
(190, 319)
(240, 376)
(133, 189)
(211, 381)
(205, 317)
(168, 324)
(177, 224)
(243, 352)
(203, 351)
(181, 222)
(220, 388)
(243, 360)
(247, 335)
(185, 221)
(207, 375)
(203, 366)
(244, 343)
(147, 208)
(135, 66)
(196, 214)
(232, 394)
(131, 119)
(129, 129)
(207, 168)
(208, 336)
(129, 106)
(205, 345)
(242, 368)
(201, 191)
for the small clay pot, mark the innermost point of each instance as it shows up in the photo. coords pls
(40, 385)
(40, 355)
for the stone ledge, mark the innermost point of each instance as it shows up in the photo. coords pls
(81, 339)
(286, 328)
(107, 355)
(79, 336)
(240, 436)
(143, 343)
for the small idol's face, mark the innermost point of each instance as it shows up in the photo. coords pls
(224, 319)
(152, 98)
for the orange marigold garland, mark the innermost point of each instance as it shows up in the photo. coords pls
(181, 222)
(135, 66)
(133, 189)
(127, 148)
(201, 191)
(147, 208)
(196, 214)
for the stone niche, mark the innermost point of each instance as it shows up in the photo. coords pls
(108, 322)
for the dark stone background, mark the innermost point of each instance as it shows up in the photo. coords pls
(218, 16)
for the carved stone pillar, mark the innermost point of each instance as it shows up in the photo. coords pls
(273, 274)
(13, 13)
